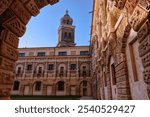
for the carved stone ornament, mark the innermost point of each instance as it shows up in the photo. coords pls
(138, 18)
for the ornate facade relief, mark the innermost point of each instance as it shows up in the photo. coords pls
(6, 81)
(144, 46)
(112, 40)
(146, 74)
(32, 8)
(124, 19)
(15, 25)
(5, 92)
(8, 51)
(120, 3)
(143, 32)
(138, 17)
(51, 2)
(9, 38)
(144, 3)
(102, 12)
(124, 38)
(6, 15)
(24, 1)
(4, 4)
(6, 78)
(130, 5)
(121, 27)
(41, 3)
(6, 64)
(19, 10)
(146, 60)
(113, 17)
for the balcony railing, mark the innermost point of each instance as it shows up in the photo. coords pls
(61, 73)
(53, 73)
(38, 74)
(85, 73)
(50, 71)
(19, 74)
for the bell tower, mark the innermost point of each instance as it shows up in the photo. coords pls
(66, 32)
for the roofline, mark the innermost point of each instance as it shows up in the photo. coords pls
(52, 47)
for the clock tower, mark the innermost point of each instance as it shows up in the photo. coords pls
(66, 32)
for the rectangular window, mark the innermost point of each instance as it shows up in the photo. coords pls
(21, 54)
(50, 67)
(41, 54)
(62, 53)
(29, 67)
(84, 53)
(73, 67)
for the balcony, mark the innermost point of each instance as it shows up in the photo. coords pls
(61, 73)
(19, 74)
(50, 71)
(85, 73)
(38, 74)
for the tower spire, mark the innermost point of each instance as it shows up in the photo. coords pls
(66, 31)
(67, 12)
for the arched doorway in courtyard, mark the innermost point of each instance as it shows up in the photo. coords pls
(85, 88)
(60, 88)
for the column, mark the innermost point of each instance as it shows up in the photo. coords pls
(24, 70)
(54, 89)
(8, 56)
(44, 92)
(77, 72)
(45, 74)
(33, 64)
(68, 70)
(55, 69)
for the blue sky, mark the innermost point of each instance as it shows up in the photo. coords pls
(42, 30)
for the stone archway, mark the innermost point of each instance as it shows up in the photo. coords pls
(14, 16)
(85, 88)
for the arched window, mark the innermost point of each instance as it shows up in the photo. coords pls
(38, 86)
(70, 35)
(67, 21)
(60, 86)
(84, 71)
(40, 70)
(84, 83)
(16, 85)
(61, 70)
(65, 35)
(19, 70)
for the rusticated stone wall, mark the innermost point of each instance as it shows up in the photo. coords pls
(113, 23)
(14, 16)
